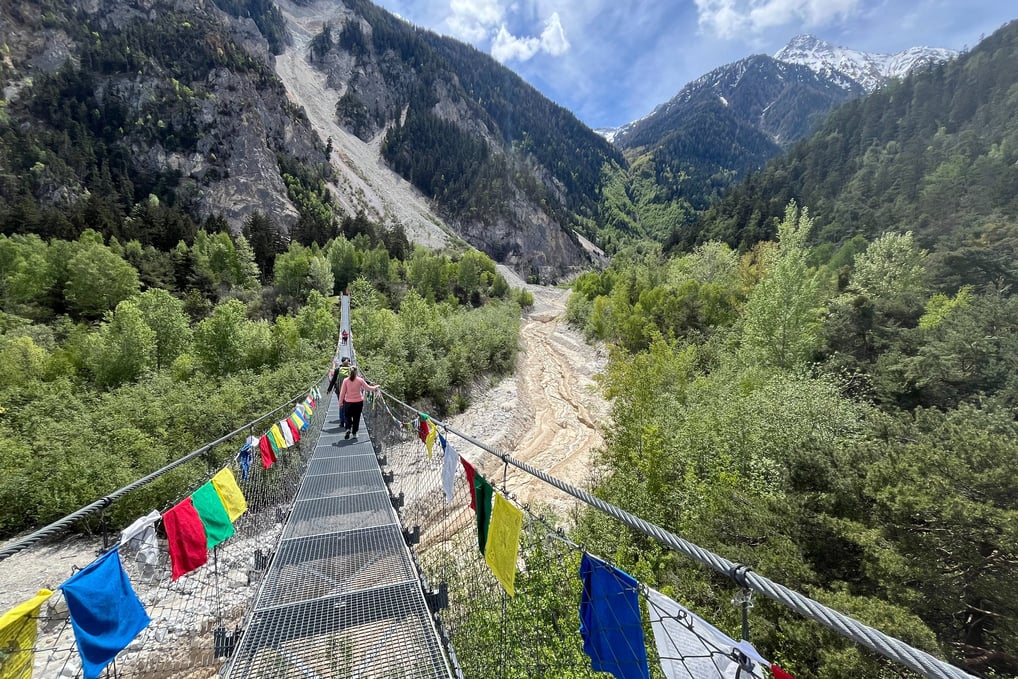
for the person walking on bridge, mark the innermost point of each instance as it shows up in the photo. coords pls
(351, 392)
(340, 373)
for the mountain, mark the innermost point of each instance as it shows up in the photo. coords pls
(935, 153)
(867, 69)
(107, 103)
(145, 119)
(731, 122)
(777, 99)
(511, 171)
(717, 129)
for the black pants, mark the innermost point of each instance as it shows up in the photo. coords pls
(353, 415)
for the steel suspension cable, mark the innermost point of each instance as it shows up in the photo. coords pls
(63, 524)
(915, 659)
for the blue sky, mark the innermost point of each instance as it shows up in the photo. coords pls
(613, 61)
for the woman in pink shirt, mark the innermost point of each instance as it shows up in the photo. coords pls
(352, 397)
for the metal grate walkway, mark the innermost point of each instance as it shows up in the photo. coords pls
(341, 596)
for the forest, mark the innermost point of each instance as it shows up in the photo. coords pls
(838, 421)
(934, 153)
(71, 142)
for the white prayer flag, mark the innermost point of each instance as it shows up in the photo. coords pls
(691, 648)
(142, 535)
(450, 463)
(287, 434)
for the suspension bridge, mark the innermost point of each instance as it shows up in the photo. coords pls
(355, 559)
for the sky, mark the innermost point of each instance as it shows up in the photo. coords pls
(612, 61)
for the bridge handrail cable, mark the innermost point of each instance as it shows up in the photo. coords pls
(64, 523)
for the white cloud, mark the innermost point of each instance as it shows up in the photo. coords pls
(729, 18)
(508, 47)
(474, 20)
(553, 38)
(720, 17)
(478, 21)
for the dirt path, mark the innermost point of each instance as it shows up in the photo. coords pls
(548, 414)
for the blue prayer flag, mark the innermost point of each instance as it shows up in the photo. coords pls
(610, 621)
(246, 455)
(245, 464)
(105, 612)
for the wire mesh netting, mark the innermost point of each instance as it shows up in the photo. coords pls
(535, 632)
(195, 620)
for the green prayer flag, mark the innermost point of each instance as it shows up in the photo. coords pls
(213, 514)
(484, 492)
(273, 443)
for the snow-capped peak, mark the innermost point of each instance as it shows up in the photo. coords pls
(608, 133)
(870, 70)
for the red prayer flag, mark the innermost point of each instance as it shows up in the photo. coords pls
(780, 673)
(293, 430)
(268, 455)
(185, 534)
(422, 430)
(468, 469)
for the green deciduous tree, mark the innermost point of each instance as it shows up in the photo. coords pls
(364, 295)
(470, 267)
(781, 326)
(123, 348)
(22, 361)
(427, 274)
(259, 346)
(320, 277)
(220, 339)
(892, 270)
(286, 342)
(25, 273)
(97, 280)
(164, 314)
(343, 259)
(378, 267)
(300, 270)
(215, 256)
(291, 272)
(711, 262)
(317, 323)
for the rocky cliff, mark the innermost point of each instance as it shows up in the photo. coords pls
(172, 97)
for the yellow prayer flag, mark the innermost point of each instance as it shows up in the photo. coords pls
(277, 435)
(429, 442)
(503, 542)
(17, 637)
(230, 493)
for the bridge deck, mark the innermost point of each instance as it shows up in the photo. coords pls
(341, 597)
